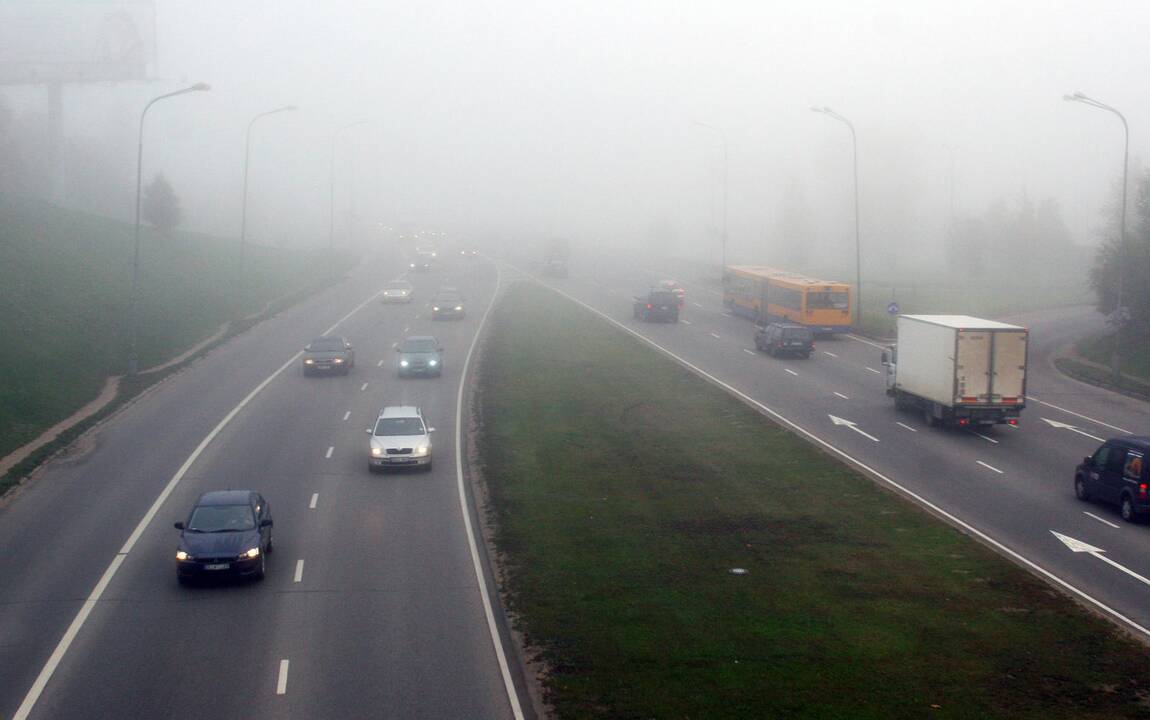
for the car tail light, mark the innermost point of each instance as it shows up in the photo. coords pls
(648, 306)
(1142, 490)
(963, 422)
(1012, 421)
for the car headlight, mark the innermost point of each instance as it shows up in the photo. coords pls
(337, 361)
(183, 556)
(376, 452)
(309, 361)
(434, 308)
(422, 449)
(403, 363)
(250, 554)
(458, 308)
(413, 265)
(432, 363)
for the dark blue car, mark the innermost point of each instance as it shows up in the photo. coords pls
(227, 534)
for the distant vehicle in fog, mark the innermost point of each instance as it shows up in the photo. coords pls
(766, 295)
(656, 306)
(419, 355)
(785, 339)
(397, 291)
(448, 304)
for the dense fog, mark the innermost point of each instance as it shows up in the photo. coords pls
(509, 120)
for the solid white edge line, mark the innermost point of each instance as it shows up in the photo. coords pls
(1021, 559)
(82, 615)
(906, 427)
(314, 499)
(1101, 520)
(989, 467)
(1084, 417)
(281, 680)
(298, 570)
(472, 542)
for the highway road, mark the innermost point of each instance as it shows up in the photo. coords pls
(371, 607)
(1011, 486)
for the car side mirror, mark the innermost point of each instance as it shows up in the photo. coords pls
(179, 526)
(368, 431)
(266, 522)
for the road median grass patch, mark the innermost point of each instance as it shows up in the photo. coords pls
(623, 489)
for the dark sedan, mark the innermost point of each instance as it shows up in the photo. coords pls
(227, 534)
(328, 354)
(447, 304)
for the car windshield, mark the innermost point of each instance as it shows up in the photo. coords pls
(398, 286)
(221, 518)
(419, 345)
(448, 298)
(325, 345)
(663, 297)
(797, 333)
(399, 426)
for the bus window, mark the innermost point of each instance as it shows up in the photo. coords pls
(828, 301)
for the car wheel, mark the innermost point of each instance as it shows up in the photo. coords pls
(1080, 490)
(183, 581)
(807, 355)
(1127, 509)
(271, 548)
(427, 467)
(263, 567)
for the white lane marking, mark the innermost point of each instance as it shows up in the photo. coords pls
(49, 668)
(792, 372)
(829, 353)
(408, 328)
(715, 335)
(865, 341)
(748, 351)
(989, 467)
(685, 322)
(347, 414)
(298, 570)
(1081, 547)
(281, 681)
(988, 439)
(1020, 558)
(1084, 417)
(379, 364)
(905, 427)
(697, 304)
(1101, 520)
(1071, 428)
(472, 543)
(314, 499)
(330, 450)
(876, 372)
(363, 387)
(844, 397)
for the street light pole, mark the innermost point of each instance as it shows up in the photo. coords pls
(726, 186)
(331, 198)
(244, 202)
(858, 243)
(133, 298)
(1115, 358)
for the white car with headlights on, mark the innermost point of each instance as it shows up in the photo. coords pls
(401, 438)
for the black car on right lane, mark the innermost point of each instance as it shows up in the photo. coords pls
(1117, 473)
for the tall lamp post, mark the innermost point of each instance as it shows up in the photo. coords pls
(858, 245)
(331, 197)
(1119, 311)
(726, 175)
(133, 298)
(244, 201)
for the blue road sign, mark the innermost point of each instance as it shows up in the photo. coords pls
(892, 308)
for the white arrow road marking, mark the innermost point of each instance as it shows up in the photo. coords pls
(852, 426)
(281, 682)
(685, 322)
(906, 427)
(1084, 417)
(1078, 546)
(989, 467)
(1071, 428)
(1101, 520)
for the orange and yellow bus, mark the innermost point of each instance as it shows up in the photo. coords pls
(767, 294)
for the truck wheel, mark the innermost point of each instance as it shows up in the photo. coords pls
(1127, 509)
(928, 416)
(899, 401)
(1080, 490)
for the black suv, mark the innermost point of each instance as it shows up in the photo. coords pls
(657, 305)
(1117, 473)
(785, 339)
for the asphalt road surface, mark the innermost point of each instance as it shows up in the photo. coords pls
(371, 606)
(1014, 485)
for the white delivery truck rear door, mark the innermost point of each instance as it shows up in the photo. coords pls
(972, 367)
(1009, 378)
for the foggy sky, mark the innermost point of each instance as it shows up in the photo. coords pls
(578, 118)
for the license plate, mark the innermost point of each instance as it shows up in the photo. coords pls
(217, 566)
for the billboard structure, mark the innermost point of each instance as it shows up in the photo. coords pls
(68, 41)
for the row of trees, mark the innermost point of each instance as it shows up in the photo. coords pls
(1134, 263)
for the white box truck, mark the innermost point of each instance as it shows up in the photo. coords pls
(958, 370)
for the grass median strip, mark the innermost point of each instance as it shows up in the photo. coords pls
(624, 490)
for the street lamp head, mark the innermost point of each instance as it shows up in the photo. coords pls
(200, 87)
(816, 108)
